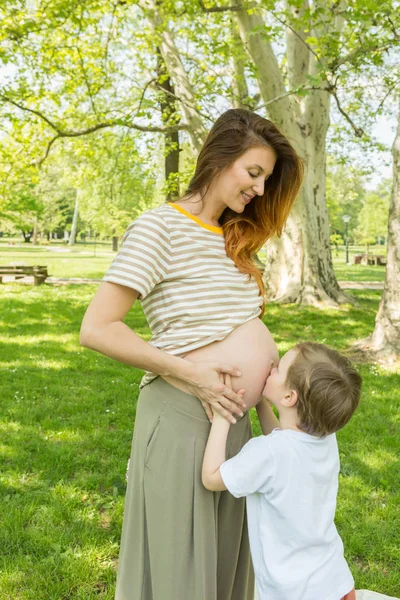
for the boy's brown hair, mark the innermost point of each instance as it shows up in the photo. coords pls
(328, 388)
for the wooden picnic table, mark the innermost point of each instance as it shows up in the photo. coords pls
(39, 272)
(370, 259)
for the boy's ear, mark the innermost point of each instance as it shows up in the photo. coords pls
(290, 399)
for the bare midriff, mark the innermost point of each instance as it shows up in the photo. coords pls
(250, 348)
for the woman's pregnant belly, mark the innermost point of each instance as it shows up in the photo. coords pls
(250, 348)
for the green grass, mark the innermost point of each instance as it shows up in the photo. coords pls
(62, 261)
(66, 427)
(357, 273)
(352, 272)
(79, 261)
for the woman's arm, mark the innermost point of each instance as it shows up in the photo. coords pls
(266, 416)
(103, 330)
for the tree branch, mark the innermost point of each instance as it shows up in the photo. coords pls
(179, 99)
(394, 30)
(31, 110)
(238, 7)
(16, 35)
(291, 93)
(330, 89)
(296, 33)
(49, 145)
(357, 130)
(392, 87)
(109, 34)
(359, 52)
(120, 122)
(144, 93)
(219, 9)
(60, 133)
(89, 87)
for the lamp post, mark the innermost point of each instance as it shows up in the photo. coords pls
(346, 219)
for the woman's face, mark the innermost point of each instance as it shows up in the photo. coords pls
(244, 180)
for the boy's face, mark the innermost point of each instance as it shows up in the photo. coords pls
(275, 387)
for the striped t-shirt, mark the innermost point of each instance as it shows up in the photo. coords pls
(192, 294)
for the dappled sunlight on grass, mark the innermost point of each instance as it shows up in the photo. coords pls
(43, 363)
(6, 452)
(379, 459)
(66, 429)
(337, 327)
(10, 426)
(45, 338)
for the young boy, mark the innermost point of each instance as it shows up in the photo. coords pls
(289, 475)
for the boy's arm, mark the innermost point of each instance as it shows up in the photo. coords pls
(266, 416)
(215, 454)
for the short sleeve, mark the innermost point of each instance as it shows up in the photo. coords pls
(143, 259)
(251, 470)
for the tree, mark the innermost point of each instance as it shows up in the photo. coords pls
(297, 97)
(345, 190)
(169, 114)
(385, 339)
(102, 60)
(84, 50)
(336, 240)
(372, 218)
(20, 203)
(114, 179)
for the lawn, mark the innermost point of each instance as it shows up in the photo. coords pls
(92, 261)
(62, 261)
(66, 427)
(352, 272)
(359, 273)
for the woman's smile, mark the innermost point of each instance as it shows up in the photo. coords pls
(247, 198)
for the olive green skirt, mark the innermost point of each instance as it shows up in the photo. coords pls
(179, 540)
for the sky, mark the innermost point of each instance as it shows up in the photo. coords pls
(384, 130)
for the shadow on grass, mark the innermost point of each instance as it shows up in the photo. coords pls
(66, 429)
(290, 324)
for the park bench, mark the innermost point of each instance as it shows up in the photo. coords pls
(369, 259)
(38, 272)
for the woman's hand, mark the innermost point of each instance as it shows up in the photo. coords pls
(207, 382)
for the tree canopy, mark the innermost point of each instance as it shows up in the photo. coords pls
(81, 91)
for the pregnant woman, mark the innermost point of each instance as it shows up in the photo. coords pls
(190, 263)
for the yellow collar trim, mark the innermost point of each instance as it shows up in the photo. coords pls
(196, 220)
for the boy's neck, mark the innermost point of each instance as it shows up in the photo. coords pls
(288, 419)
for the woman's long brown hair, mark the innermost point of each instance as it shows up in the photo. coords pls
(236, 131)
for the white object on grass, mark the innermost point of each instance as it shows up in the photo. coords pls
(360, 594)
(367, 595)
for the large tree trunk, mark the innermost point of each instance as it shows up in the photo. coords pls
(72, 237)
(35, 231)
(240, 92)
(169, 116)
(385, 339)
(298, 266)
(176, 71)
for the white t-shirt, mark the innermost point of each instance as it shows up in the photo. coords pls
(290, 480)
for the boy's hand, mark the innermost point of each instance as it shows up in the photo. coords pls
(218, 417)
